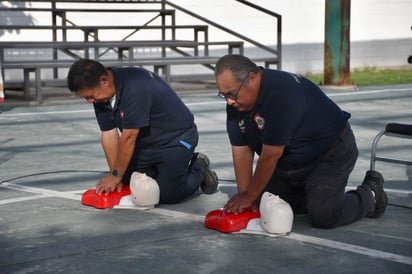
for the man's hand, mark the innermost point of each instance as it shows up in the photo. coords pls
(239, 203)
(108, 184)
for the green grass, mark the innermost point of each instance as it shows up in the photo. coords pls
(372, 76)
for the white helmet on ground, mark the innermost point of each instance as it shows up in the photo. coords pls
(276, 215)
(145, 190)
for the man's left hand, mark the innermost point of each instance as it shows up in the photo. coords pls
(108, 184)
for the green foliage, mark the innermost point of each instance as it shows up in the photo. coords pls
(372, 76)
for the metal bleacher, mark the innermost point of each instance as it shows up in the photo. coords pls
(33, 64)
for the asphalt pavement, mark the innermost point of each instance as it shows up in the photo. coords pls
(50, 154)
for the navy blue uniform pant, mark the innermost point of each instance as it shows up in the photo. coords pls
(319, 189)
(172, 165)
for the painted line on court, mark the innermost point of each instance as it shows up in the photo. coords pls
(45, 113)
(76, 194)
(40, 191)
(199, 218)
(374, 91)
(306, 239)
(351, 248)
(23, 199)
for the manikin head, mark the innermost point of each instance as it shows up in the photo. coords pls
(276, 215)
(145, 190)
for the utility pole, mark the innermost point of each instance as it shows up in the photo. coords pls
(337, 43)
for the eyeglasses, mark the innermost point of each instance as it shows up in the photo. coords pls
(232, 96)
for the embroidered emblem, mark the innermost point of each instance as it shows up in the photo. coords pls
(260, 122)
(242, 125)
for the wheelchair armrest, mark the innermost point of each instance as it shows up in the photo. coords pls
(404, 129)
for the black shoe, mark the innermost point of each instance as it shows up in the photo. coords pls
(374, 180)
(210, 182)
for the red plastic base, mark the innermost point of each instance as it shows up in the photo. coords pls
(91, 198)
(228, 222)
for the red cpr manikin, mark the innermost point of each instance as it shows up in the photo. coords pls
(222, 221)
(91, 198)
(144, 191)
(275, 216)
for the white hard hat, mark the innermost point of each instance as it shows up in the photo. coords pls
(276, 215)
(145, 190)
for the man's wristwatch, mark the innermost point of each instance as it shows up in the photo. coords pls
(116, 173)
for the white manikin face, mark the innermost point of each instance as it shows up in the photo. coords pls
(145, 190)
(276, 215)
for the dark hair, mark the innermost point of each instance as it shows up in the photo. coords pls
(239, 65)
(85, 73)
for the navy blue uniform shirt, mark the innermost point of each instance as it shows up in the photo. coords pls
(145, 101)
(290, 111)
